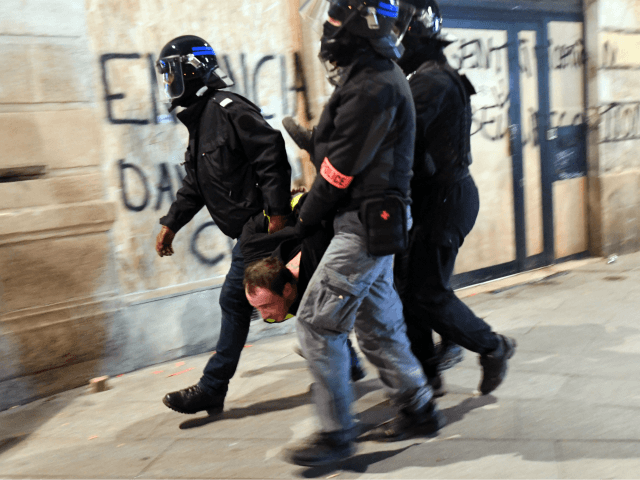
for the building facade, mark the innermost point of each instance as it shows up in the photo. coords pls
(91, 160)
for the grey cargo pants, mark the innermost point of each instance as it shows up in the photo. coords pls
(354, 290)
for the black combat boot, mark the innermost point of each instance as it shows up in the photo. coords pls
(323, 448)
(298, 134)
(193, 400)
(425, 422)
(494, 364)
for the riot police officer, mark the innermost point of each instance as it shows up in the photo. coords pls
(236, 167)
(445, 205)
(362, 148)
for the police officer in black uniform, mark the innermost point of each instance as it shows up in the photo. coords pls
(445, 205)
(236, 166)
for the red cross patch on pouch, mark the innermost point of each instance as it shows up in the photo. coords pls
(333, 176)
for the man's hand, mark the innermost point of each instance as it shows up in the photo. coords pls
(163, 242)
(277, 222)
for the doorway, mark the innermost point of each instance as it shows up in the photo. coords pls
(528, 139)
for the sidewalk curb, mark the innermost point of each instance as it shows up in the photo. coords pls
(525, 277)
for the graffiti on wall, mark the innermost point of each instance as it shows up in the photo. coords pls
(159, 196)
(139, 192)
(619, 122)
(491, 120)
(248, 87)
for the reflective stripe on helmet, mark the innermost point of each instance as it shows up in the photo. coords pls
(203, 51)
(387, 10)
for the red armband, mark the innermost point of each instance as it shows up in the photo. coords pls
(333, 176)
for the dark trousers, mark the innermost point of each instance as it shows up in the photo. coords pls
(236, 317)
(423, 274)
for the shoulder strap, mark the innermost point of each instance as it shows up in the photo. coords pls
(224, 99)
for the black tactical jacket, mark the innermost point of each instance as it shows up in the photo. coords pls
(236, 165)
(443, 125)
(363, 144)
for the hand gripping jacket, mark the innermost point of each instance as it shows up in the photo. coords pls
(236, 165)
(363, 144)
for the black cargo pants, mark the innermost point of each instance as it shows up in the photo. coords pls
(442, 220)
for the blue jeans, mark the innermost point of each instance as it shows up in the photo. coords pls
(353, 289)
(234, 328)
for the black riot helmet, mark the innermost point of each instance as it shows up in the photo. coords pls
(349, 23)
(187, 64)
(427, 20)
(424, 39)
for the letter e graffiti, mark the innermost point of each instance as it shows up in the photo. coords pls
(123, 186)
(110, 97)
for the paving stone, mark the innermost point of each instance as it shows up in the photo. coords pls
(88, 458)
(597, 459)
(575, 419)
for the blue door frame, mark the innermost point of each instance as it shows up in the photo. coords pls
(514, 21)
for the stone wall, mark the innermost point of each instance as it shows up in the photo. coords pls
(56, 269)
(91, 161)
(613, 45)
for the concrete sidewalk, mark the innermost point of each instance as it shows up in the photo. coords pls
(570, 407)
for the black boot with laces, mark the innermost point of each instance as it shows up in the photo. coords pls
(322, 449)
(193, 400)
(425, 422)
(494, 364)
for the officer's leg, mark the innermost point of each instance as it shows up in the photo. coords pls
(211, 390)
(437, 305)
(436, 301)
(419, 331)
(325, 318)
(235, 319)
(382, 336)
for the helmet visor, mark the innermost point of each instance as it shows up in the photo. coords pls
(170, 70)
(404, 16)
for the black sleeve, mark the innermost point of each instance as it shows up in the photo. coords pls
(362, 122)
(429, 97)
(188, 202)
(265, 149)
(256, 243)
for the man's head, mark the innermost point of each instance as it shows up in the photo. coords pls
(187, 64)
(270, 288)
(426, 23)
(424, 39)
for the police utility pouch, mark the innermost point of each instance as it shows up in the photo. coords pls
(385, 224)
